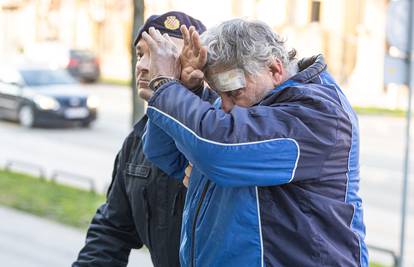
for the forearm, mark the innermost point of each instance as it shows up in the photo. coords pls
(107, 244)
(161, 149)
(220, 144)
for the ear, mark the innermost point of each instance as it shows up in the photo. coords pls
(277, 71)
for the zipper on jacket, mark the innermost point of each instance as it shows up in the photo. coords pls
(203, 195)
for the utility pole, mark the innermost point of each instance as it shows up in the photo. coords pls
(408, 130)
(138, 105)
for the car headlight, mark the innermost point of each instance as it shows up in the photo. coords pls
(46, 102)
(92, 102)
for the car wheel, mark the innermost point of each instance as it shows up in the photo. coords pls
(86, 124)
(26, 116)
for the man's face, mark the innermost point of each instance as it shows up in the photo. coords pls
(143, 67)
(255, 89)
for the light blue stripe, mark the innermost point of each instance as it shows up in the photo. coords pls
(237, 164)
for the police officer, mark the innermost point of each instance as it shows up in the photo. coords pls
(144, 206)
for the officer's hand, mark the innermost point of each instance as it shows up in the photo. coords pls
(187, 171)
(193, 58)
(164, 54)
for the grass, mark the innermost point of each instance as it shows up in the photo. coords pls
(47, 199)
(113, 81)
(380, 111)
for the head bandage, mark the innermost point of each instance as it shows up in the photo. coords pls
(228, 80)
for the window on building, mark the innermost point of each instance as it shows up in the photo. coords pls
(315, 11)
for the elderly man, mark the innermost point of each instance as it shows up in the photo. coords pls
(144, 206)
(275, 166)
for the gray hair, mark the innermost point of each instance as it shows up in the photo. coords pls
(249, 45)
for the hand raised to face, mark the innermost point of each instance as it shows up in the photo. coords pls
(164, 54)
(193, 58)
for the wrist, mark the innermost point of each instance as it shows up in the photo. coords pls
(157, 82)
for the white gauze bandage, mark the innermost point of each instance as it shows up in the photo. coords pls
(229, 80)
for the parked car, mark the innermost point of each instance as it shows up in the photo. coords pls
(36, 96)
(84, 65)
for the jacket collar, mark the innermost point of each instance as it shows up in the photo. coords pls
(309, 68)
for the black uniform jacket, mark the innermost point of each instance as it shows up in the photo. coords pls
(143, 207)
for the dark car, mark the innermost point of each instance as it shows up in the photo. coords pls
(83, 65)
(39, 96)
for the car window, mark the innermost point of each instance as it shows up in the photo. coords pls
(82, 54)
(41, 77)
(9, 76)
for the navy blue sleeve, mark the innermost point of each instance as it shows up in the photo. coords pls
(248, 146)
(162, 150)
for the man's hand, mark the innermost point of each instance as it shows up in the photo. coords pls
(193, 58)
(164, 54)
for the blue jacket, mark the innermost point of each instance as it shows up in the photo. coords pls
(274, 184)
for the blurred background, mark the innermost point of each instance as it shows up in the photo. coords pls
(66, 105)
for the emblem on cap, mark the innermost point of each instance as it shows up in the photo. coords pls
(171, 23)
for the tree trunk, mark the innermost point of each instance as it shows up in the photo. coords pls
(138, 105)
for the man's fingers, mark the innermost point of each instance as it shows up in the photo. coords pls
(195, 38)
(186, 35)
(197, 74)
(191, 30)
(202, 59)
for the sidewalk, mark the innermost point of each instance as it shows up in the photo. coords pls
(30, 241)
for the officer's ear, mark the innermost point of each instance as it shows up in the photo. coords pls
(277, 71)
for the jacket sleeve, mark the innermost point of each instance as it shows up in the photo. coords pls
(111, 234)
(254, 146)
(162, 150)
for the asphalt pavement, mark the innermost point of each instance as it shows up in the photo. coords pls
(30, 241)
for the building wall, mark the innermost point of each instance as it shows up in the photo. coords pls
(350, 33)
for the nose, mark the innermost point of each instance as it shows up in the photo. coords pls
(227, 103)
(142, 66)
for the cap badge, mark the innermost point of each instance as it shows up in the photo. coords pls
(171, 23)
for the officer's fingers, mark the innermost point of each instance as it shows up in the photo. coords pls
(168, 39)
(186, 180)
(185, 34)
(152, 44)
(156, 35)
(171, 44)
(188, 170)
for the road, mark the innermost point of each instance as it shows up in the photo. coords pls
(29, 241)
(90, 152)
(87, 152)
